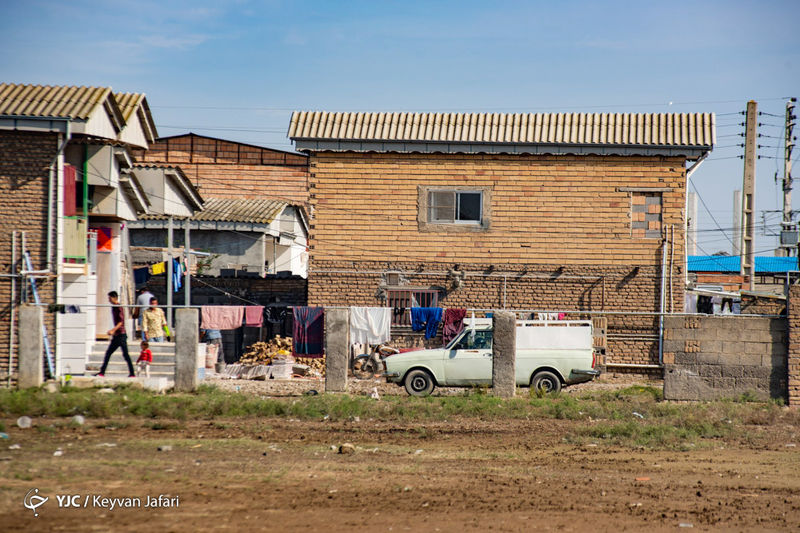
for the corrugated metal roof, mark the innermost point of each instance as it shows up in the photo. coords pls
(730, 264)
(255, 211)
(47, 101)
(129, 103)
(637, 129)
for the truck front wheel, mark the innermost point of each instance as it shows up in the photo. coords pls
(419, 383)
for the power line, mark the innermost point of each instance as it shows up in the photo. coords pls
(710, 213)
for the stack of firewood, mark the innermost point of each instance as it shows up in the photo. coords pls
(316, 364)
(264, 353)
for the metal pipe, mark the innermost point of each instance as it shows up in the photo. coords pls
(169, 273)
(505, 280)
(13, 301)
(187, 279)
(632, 365)
(445, 273)
(671, 259)
(50, 192)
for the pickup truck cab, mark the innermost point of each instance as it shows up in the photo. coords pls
(550, 354)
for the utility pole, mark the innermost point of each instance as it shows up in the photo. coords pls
(748, 195)
(737, 223)
(788, 233)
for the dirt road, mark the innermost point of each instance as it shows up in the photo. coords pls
(457, 475)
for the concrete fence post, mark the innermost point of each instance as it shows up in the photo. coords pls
(31, 347)
(187, 323)
(504, 354)
(337, 349)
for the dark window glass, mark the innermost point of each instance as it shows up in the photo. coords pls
(469, 206)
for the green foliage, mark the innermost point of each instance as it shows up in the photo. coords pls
(634, 416)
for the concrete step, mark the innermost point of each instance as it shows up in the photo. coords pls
(119, 368)
(97, 357)
(156, 347)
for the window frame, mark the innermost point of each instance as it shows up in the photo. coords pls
(408, 297)
(425, 209)
(456, 206)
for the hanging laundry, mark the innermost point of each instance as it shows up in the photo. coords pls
(562, 316)
(253, 316)
(453, 324)
(222, 316)
(158, 268)
(309, 331)
(177, 275)
(73, 309)
(370, 325)
(426, 318)
(141, 275)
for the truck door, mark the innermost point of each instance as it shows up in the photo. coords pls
(469, 360)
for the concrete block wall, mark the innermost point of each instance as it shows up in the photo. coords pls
(722, 357)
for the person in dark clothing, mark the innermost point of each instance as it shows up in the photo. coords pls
(119, 338)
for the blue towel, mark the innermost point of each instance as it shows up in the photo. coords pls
(177, 274)
(426, 318)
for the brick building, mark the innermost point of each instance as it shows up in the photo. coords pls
(254, 224)
(227, 169)
(68, 190)
(576, 212)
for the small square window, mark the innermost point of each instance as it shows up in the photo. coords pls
(455, 207)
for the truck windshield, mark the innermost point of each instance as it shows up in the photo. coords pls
(482, 340)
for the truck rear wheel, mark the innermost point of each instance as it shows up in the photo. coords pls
(545, 381)
(419, 383)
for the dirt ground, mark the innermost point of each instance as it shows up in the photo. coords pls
(454, 475)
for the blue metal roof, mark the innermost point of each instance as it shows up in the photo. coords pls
(730, 265)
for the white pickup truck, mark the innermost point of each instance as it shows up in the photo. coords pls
(549, 354)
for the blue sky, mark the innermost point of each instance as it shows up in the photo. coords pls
(235, 69)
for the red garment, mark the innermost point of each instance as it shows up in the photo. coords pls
(453, 323)
(253, 316)
(146, 355)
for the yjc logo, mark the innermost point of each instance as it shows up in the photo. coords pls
(33, 501)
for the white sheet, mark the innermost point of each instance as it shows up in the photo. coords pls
(371, 325)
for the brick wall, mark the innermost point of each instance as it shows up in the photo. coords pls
(793, 358)
(722, 357)
(263, 291)
(559, 234)
(224, 169)
(630, 338)
(24, 161)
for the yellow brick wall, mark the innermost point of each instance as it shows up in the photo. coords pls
(544, 209)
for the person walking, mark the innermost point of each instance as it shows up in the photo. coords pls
(154, 323)
(119, 338)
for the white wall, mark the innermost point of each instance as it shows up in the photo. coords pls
(73, 334)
